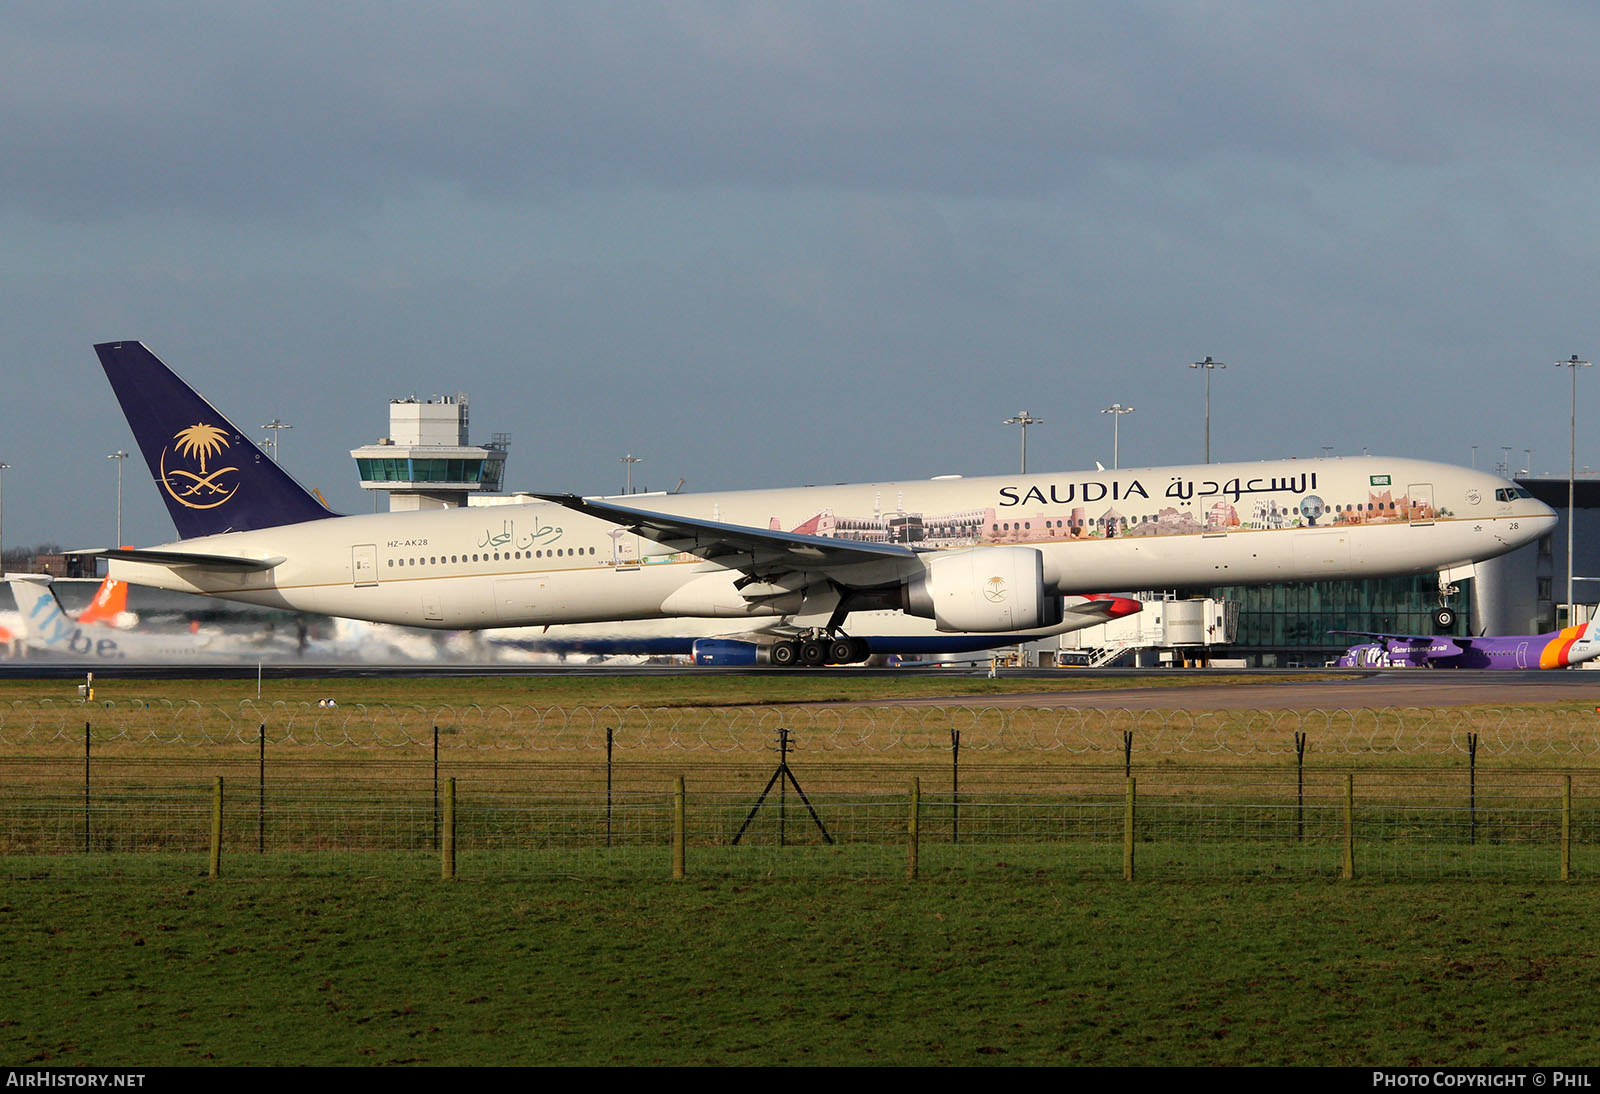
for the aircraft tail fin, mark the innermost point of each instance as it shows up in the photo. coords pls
(42, 622)
(110, 601)
(212, 477)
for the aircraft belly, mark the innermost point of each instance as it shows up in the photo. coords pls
(1182, 560)
(585, 596)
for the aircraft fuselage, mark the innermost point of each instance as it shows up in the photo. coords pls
(1192, 526)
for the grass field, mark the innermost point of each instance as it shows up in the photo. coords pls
(1016, 969)
(1034, 957)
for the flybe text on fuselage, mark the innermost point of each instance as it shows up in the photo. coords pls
(51, 628)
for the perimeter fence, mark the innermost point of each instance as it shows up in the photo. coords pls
(159, 787)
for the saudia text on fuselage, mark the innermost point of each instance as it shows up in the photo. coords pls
(1179, 488)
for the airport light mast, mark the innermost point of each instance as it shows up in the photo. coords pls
(630, 459)
(1116, 410)
(1208, 366)
(119, 455)
(4, 467)
(1572, 469)
(275, 425)
(1024, 419)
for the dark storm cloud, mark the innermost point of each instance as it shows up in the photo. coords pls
(844, 240)
(291, 110)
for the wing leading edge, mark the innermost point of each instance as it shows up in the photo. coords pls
(753, 550)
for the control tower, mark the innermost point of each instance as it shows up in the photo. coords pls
(426, 461)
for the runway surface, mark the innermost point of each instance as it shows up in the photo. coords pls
(1181, 689)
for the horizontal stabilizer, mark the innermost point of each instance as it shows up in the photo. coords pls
(234, 563)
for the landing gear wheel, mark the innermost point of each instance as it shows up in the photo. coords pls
(859, 650)
(841, 651)
(1444, 618)
(784, 654)
(813, 652)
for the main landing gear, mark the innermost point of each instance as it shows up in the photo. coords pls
(814, 650)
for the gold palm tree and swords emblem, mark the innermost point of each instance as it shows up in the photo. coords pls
(205, 488)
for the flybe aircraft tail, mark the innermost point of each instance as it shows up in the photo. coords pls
(212, 477)
(43, 623)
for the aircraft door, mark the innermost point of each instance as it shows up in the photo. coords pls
(364, 565)
(1522, 655)
(624, 549)
(1419, 504)
(432, 604)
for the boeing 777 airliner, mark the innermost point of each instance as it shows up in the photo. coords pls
(989, 556)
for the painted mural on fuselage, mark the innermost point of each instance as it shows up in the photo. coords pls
(1031, 512)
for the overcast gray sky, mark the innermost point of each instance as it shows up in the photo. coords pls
(772, 244)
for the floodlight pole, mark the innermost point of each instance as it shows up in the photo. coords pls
(630, 459)
(1208, 366)
(119, 455)
(1116, 410)
(1024, 420)
(4, 467)
(275, 425)
(1574, 365)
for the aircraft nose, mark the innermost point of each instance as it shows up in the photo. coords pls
(1544, 517)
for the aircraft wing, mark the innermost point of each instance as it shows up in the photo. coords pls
(736, 546)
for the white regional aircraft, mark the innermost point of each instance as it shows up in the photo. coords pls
(984, 557)
(45, 627)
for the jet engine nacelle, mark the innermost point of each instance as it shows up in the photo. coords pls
(988, 590)
(724, 651)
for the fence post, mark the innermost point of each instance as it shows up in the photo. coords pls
(447, 845)
(86, 787)
(436, 788)
(610, 744)
(1472, 789)
(216, 827)
(678, 871)
(913, 828)
(1566, 828)
(1127, 754)
(955, 786)
(1349, 826)
(261, 790)
(1299, 787)
(1127, 832)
